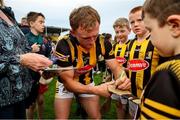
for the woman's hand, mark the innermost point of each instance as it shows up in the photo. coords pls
(35, 61)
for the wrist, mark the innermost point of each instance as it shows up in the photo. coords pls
(92, 89)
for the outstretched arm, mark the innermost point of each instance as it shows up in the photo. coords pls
(73, 85)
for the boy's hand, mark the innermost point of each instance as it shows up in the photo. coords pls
(123, 84)
(35, 47)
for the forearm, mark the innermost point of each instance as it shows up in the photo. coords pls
(73, 85)
(77, 87)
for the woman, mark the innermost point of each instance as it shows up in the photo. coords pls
(15, 81)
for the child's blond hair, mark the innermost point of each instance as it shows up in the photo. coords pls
(121, 22)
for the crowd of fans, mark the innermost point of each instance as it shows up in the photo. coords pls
(146, 67)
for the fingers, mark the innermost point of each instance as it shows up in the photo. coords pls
(35, 47)
(35, 61)
(43, 61)
(125, 85)
(119, 81)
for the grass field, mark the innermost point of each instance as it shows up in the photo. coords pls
(49, 107)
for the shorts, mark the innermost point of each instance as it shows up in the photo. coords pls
(42, 88)
(62, 92)
(119, 98)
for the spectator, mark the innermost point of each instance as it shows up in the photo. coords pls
(15, 80)
(24, 25)
(143, 56)
(122, 30)
(36, 22)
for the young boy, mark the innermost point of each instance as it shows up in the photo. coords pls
(143, 57)
(39, 45)
(161, 99)
(122, 30)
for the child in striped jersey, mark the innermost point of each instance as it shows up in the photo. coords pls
(143, 56)
(122, 30)
(161, 99)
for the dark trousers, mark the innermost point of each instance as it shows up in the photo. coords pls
(14, 111)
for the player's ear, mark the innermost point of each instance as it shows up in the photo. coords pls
(174, 24)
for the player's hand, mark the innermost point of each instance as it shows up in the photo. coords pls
(102, 89)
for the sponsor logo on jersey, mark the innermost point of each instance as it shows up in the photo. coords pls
(121, 60)
(84, 69)
(137, 65)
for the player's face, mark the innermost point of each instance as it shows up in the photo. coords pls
(87, 38)
(38, 25)
(122, 33)
(137, 24)
(160, 36)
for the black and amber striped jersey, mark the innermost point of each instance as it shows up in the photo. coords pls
(161, 98)
(143, 59)
(121, 53)
(76, 56)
